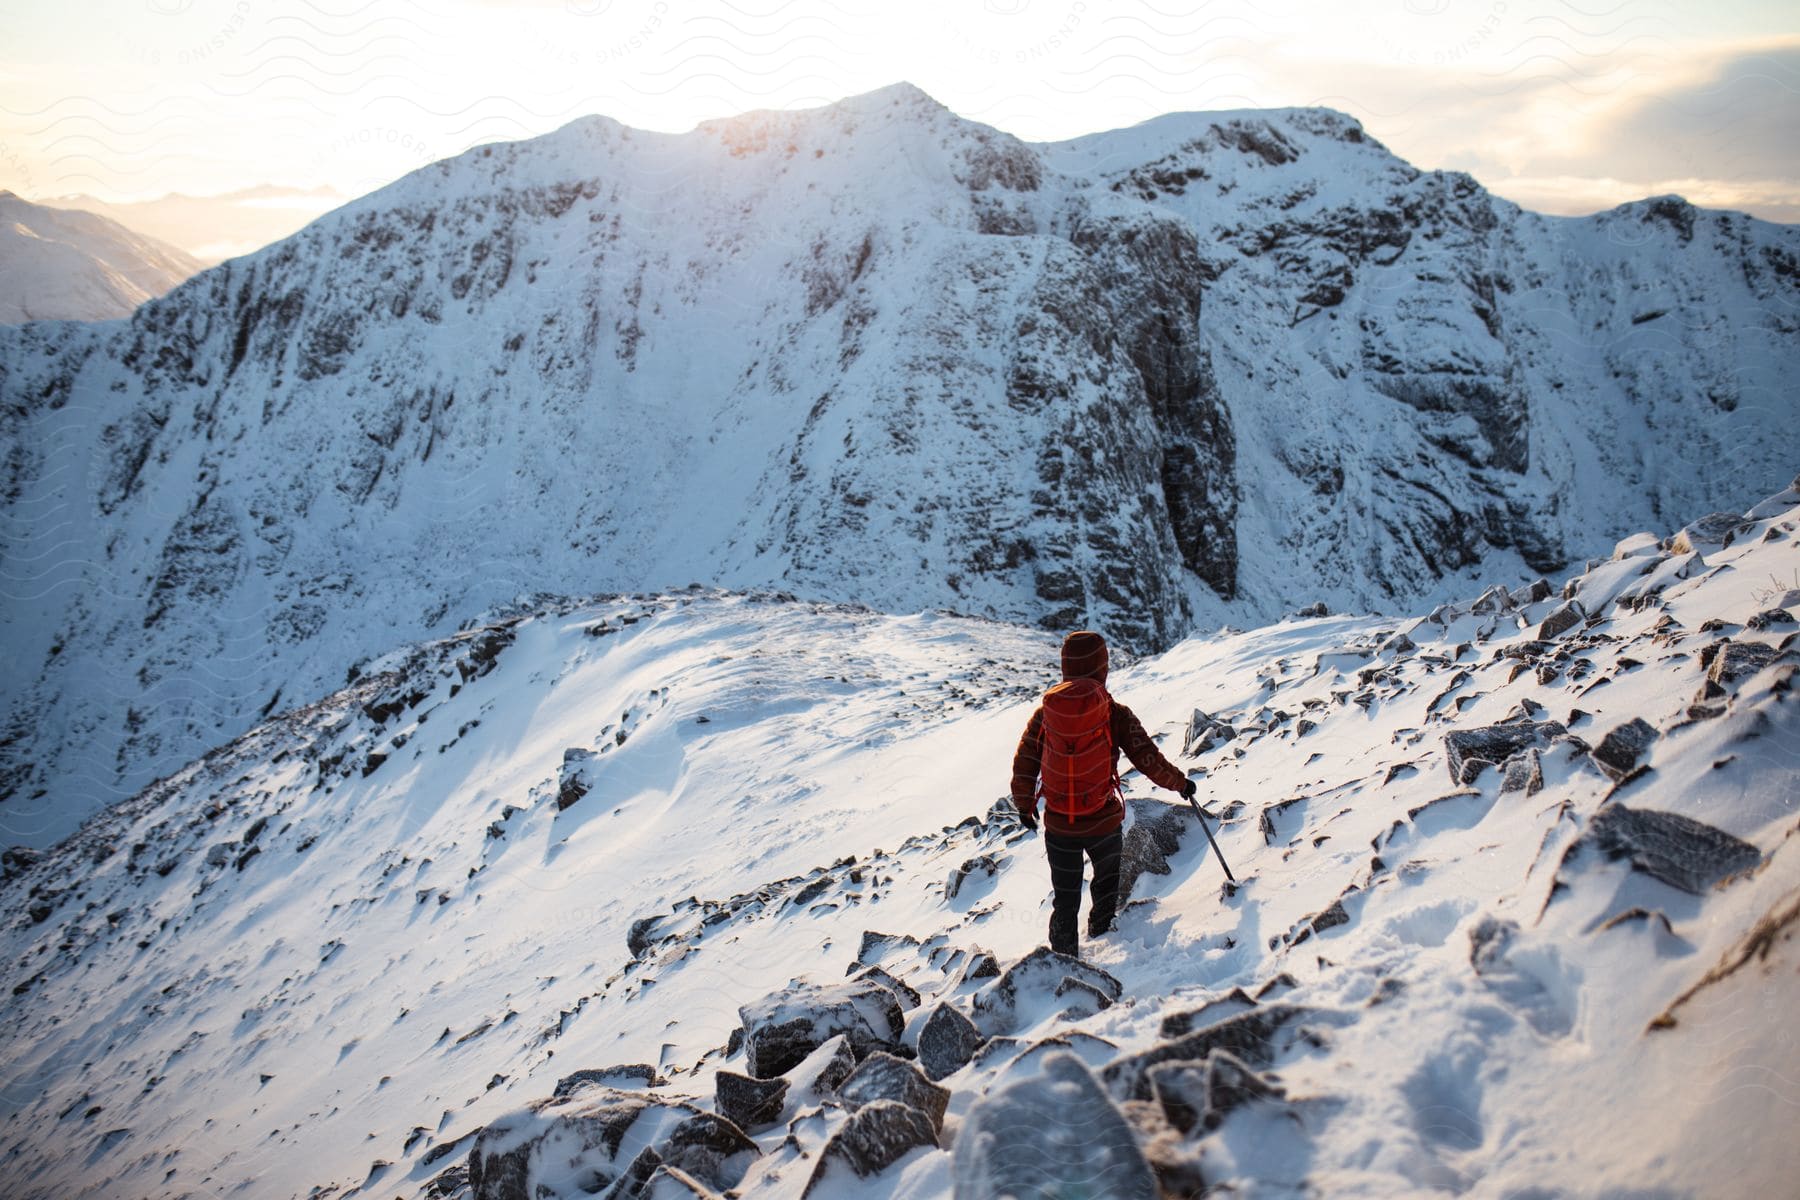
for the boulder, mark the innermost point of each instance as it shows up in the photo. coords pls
(1523, 772)
(1727, 662)
(1201, 1095)
(1561, 619)
(632, 1075)
(747, 1102)
(884, 1077)
(984, 863)
(817, 1077)
(909, 996)
(1619, 751)
(1249, 1035)
(876, 1136)
(1494, 744)
(1051, 1134)
(1638, 545)
(576, 778)
(1493, 601)
(1679, 851)
(1205, 731)
(947, 1042)
(781, 1030)
(527, 1149)
(1154, 834)
(1033, 988)
(1714, 529)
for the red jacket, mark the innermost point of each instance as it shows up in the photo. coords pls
(1127, 735)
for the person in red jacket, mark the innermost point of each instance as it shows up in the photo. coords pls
(1068, 756)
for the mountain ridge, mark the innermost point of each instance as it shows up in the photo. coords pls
(1057, 383)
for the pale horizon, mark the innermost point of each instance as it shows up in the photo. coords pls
(1557, 108)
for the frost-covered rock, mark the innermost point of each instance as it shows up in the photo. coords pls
(1714, 529)
(746, 1101)
(1050, 1134)
(1679, 851)
(876, 1136)
(1638, 545)
(1201, 1095)
(783, 1029)
(577, 1141)
(881, 1076)
(1623, 746)
(1561, 619)
(1249, 1035)
(947, 1041)
(1153, 835)
(1038, 986)
(576, 778)
(1492, 745)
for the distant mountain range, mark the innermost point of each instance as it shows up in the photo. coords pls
(213, 228)
(1206, 369)
(62, 265)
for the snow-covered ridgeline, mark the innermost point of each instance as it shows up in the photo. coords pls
(57, 264)
(1518, 898)
(1205, 369)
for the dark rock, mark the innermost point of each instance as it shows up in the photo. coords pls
(1561, 619)
(985, 863)
(1316, 609)
(591, 1124)
(884, 1077)
(981, 965)
(1679, 851)
(909, 996)
(575, 782)
(1524, 772)
(1493, 601)
(1204, 732)
(638, 939)
(947, 1042)
(1535, 591)
(876, 1136)
(1175, 1161)
(782, 1029)
(1771, 618)
(1714, 529)
(823, 1072)
(1248, 1035)
(1494, 744)
(710, 1148)
(628, 1076)
(1046, 1134)
(1201, 1095)
(1213, 1011)
(1038, 976)
(1727, 661)
(874, 944)
(1619, 751)
(1153, 836)
(747, 1102)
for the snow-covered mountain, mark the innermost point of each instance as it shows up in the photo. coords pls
(218, 226)
(626, 889)
(61, 265)
(1206, 369)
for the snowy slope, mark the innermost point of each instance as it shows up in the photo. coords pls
(1204, 370)
(590, 835)
(60, 265)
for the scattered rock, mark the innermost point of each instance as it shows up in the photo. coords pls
(981, 965)
(1035, 1135)
(884, 1077)
(1727, 661)
(1246, 1034)
(1201, 1095)
(1770, 618)
(747, 1102)
(1495, 600)
(1229, 1005)
(575, 782)
(1154, 834)
(1714, 529)
(1524, 772)
(876, 1136)
(628, 1076)
(1679, 851)
(985, 863)
(1619, 751)
(1494, 744)
(947, 1042)
(1636, 546)
(783, 1029)
(1035, 982)
(1561, 619)
(909, 996)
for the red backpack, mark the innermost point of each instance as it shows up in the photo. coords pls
(1077, 765)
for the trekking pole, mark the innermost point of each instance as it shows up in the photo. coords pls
(1201, 814)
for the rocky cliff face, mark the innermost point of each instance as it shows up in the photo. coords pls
(1199, 370)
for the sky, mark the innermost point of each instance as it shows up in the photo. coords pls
(1564, 106)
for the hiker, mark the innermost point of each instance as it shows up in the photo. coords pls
(1073, 741)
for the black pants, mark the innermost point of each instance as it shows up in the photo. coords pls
(1065, 855)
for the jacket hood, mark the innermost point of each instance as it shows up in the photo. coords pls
(1084, 656)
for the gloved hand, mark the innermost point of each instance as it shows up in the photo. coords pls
(1028, 820)
(1188, 790)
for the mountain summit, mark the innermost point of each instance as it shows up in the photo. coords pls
(1204, 369)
